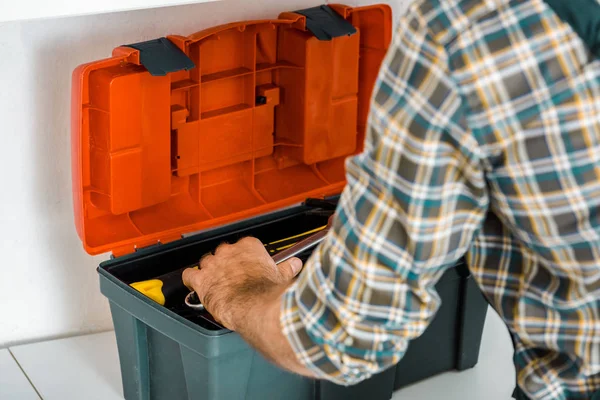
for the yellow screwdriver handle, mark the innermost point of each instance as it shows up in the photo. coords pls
(151, 289)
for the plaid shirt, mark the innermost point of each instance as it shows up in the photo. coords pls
(483, 142)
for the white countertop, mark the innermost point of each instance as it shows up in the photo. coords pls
(87, 367)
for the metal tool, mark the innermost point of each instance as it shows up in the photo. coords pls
(192, 301)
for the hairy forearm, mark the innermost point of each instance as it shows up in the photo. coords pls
(262, 330)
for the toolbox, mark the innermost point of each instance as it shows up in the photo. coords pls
(184, 142)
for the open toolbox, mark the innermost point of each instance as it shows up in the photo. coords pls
(181, 143)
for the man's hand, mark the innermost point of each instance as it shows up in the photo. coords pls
(239, 281)
(241, 287)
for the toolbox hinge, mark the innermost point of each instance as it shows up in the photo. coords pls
(135, 248)
(161, 56)
(151, 246)
(325, 23)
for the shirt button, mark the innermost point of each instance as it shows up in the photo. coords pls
(349, 341)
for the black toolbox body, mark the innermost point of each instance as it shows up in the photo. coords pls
(176, 354)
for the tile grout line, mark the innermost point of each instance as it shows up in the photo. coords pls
(25, 373)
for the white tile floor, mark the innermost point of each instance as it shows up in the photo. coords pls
(13, 383)
(87, 367)
(83, 367)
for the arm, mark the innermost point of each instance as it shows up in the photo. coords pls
(242, 288)
(263, 332)
(414, 199)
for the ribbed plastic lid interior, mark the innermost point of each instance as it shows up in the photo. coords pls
(263, 116)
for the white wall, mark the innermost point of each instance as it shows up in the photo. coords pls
(35, 9)
(48, 284)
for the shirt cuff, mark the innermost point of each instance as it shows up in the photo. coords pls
(325, 358)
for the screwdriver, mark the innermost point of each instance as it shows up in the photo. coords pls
(166, 290)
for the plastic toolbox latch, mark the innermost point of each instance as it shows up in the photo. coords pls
(325, 23)
(161, 56)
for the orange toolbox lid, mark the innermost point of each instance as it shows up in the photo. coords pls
(182, 134)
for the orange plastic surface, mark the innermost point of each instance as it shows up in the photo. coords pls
(155, 157)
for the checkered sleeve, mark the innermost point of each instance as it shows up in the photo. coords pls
(414, 199)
